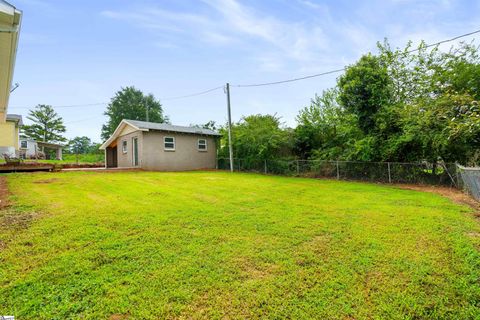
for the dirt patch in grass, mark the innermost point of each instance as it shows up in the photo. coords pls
(11, 219)
(455, 195)
(217, 304)
(45, 181)
(253, 270)
(3, 193)
(118, 317)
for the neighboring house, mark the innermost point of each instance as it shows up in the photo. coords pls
(160, 146)
(10, 19)
(31, 149)
(57, 148)
(28, 148)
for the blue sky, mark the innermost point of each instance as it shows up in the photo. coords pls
(81, 52)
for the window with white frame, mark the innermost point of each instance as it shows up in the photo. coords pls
(124, 146)
(23, 144)
(169, 143)
(202, 144)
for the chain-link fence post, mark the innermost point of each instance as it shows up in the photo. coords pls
(386, 172)
(338, 171)
(389, 173)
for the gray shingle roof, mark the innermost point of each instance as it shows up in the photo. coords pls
(171, 128)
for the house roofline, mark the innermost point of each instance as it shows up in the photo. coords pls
(117, 131)
(126, 122)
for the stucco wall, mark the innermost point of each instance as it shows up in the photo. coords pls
(185, 157)
(125, 160)
(8, 135)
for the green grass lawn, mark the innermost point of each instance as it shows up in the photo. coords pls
(82, 159)
(71, 158)
(212, 245)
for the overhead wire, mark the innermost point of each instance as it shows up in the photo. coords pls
(344, 68)
(264, 83)
(104, 103)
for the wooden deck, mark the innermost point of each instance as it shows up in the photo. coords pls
(26, 167)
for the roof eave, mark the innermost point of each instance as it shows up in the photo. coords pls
(117, 131)
(11, 27)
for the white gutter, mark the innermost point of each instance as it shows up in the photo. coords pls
(12, 28)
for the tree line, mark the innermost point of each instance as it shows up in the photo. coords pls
(127, 103)
(402, 105)
(398, 105)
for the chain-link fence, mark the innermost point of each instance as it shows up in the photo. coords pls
(441, 174)
(471, 180)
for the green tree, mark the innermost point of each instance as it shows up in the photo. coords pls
(364, 89)
(47, 125)
(130, 103)
(434, 115)
(95, 148)
(258, 137)
(211, 125)
(80, 145)
(324, 128)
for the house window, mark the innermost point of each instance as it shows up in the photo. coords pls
(169, 143)
(23, 144)
(124, 146)
(202, 144)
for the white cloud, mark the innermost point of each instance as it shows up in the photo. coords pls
(296, 40)
(229, 22)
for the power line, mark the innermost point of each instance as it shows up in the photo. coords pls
(68, 106)
(288, 80)
(344, 68)
(81, 120)
(104, 103)
(448, 40)
(265, 83)
(193, 94)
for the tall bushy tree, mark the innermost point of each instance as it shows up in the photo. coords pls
(258, 137)
(80, 145)
(436, 96)
(324, 128)
(410, 104)
(131, 103)
(47, 125)
(364, 89)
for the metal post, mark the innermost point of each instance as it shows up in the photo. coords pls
(230, 149)
(389, 174)
(338, 171)
(146, 109)
(298, 169)
(265, 166)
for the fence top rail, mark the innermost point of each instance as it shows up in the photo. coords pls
(469, 168)
(347, 161)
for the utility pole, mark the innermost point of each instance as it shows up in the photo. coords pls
(230, 149)
(146, 108)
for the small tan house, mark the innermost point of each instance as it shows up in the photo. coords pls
(160, 146)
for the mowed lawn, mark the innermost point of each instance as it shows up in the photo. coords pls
(144, 245)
